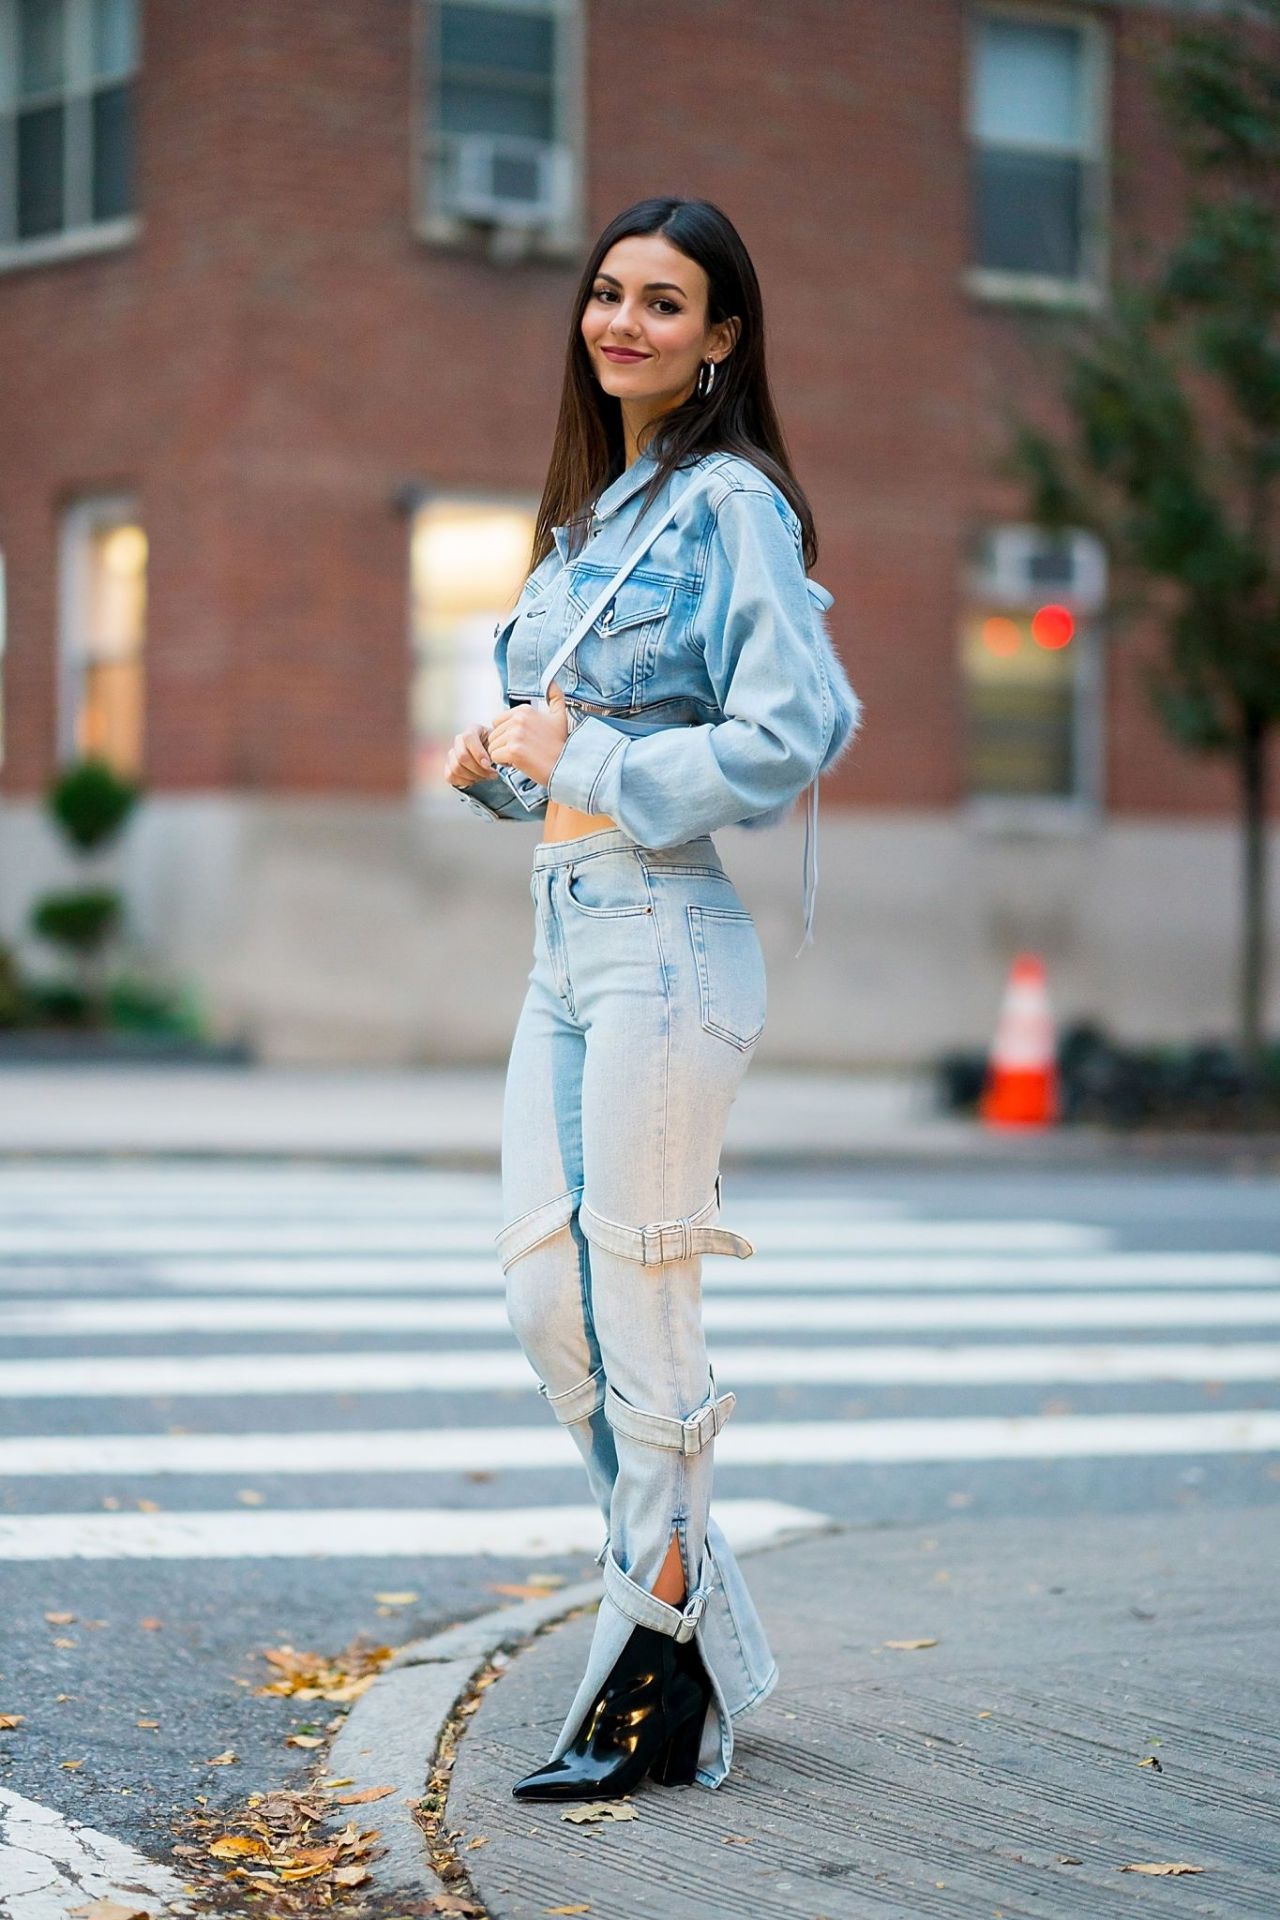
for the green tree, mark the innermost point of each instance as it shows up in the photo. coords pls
(1171, 452)
(90, 804)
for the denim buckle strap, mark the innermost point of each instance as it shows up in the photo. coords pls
(645, 1608)
(664, 1240)
(689, 1435)
(577, 1402)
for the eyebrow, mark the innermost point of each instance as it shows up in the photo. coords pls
(650, 286)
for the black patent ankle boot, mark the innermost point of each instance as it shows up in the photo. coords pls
(648, 1713)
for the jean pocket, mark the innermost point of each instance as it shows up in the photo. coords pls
(609, 887)
(731, 976)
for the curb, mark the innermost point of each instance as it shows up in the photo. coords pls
(392, 1734)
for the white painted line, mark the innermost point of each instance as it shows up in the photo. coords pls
(388, 1236)
(283, 1374)
(355, 1533)
(766, 1272)
(50, 1865)
(922, 1314)
(742, 1443)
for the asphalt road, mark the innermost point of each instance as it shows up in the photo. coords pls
(242, 1401)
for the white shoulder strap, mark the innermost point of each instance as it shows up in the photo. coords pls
(598, 606)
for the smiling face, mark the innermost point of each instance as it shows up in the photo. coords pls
(645, 325)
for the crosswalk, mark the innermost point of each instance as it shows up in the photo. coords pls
(173, 1333)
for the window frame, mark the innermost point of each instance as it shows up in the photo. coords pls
(1081, 811)
(427, 798)
(78, 517)
(433, 222)
(1090, 288)
(83, 234)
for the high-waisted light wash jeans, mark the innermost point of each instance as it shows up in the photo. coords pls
(645, 1002)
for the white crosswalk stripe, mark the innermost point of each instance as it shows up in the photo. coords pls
(268, 1284)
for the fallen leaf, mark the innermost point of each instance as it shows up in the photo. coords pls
(235, 1846)
(585, 1909)
(600, 1810)
(108, 1910)
(60, 1640)
(737, 1840)
(481, 1840)
(1151, 1761)
(451, 1903)
(348, 1780)
(518, 1592)
(350, 1876)
(1160, 1866)
(395, 1599)
(307, 1740)
(223, 1759)
(248, 1497)
(146, 1723)
(363, 1798)
(147, 1506)
(8, 1720)
(71, 1766)
(909, 1646)
(60, 1619)
(150, 1625)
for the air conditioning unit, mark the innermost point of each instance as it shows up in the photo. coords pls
(1019, 565)
(505, 178)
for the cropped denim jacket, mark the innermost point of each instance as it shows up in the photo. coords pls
(708, 692)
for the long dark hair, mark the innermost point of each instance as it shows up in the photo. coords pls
(738, 417)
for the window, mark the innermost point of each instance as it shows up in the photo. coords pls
(67, 78)
(501, 122)
(103, 595)
(468, 562)
(1030, 669)
(1036, 121)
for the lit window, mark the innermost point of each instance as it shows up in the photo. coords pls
(67, 76)
(103, 616)
(502, 118)
(1029, 660)
(1035, 127)
(468, 562)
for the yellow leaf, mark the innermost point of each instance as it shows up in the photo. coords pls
(304, 1739)
(909, 1646)
(586, 1909)
(60, 1640)
(72, 1766)
(395, 1599)
(350, 1876)
(146, 1723)
(148, 1506)
(347, 1781)
(1160, 1866)
(235, 1846)
(518, 1592)
(8, 1720)
(223, 1759)
(364, 1796)
(60, 1619)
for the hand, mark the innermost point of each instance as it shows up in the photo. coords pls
(531, 738)
(468, 759)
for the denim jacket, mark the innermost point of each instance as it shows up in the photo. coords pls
(708, 693)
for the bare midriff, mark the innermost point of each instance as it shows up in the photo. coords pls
(566, 823)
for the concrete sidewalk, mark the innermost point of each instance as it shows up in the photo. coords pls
(454, 1115)
(421, 1113)
(998, 1772)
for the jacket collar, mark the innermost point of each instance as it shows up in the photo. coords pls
(616, 494)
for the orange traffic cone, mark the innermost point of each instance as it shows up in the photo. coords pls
(1021, 1087)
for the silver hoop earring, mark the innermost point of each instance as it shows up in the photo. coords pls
(704, 386)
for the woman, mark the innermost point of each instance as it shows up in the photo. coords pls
(704, 692)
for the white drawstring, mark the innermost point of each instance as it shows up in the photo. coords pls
(810, 864)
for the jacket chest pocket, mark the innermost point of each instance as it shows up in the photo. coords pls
(615, 656)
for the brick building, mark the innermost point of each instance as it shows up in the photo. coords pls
(284, 293)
